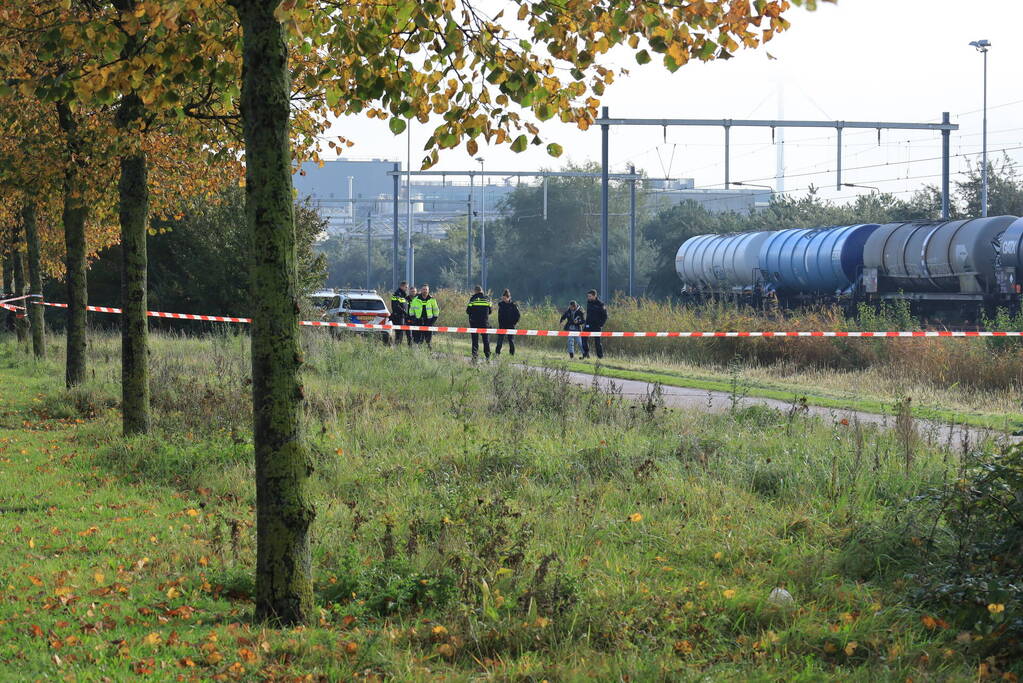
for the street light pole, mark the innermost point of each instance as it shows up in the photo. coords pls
(483, 226)
(410, 268)
(982, 47)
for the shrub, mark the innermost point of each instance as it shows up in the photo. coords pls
(974, 571)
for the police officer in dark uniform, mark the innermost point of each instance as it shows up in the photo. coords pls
(479, 310)
(399, 310)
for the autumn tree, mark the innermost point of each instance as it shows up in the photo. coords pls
(478, 74)
(29, 184)
(161, 84)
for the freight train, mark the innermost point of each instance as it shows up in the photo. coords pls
(956, 269)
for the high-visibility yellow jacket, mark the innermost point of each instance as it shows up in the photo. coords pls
(424, 309)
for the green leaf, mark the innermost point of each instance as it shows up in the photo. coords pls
(642, 57)
(333, 97)
(555, 150)
(397, 125)
(520, 144)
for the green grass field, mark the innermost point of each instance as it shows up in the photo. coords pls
(871, 390)
(474, 522)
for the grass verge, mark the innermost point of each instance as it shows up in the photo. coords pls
(473, 522)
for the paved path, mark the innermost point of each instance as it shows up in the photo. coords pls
(720, 401)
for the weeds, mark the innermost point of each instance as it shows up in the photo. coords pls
(485, 522)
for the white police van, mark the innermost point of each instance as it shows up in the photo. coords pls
(363, 306)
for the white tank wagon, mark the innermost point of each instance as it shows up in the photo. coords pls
(721, 262)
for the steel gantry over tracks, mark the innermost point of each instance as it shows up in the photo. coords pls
(605, 122)
(397, 174)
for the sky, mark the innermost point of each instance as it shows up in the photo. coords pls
(866, 60)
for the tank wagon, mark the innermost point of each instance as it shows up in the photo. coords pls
(961, 266)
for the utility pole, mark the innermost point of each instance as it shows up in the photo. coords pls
(483, 226)
(409, 269)
(369, 251)
(982, 47)
(604, 130)
(632, 233)
(394, 242)
(945, 140)
(468, 239)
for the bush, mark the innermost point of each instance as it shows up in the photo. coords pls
(974, 572)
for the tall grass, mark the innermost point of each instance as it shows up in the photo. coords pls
(973, 364)
(489, 521)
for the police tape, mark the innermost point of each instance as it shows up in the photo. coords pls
(4, 302)
(568, 333)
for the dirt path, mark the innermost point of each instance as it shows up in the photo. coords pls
(720, 401)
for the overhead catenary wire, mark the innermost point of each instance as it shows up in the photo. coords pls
(868, 166)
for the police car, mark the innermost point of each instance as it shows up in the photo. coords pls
(363, 306)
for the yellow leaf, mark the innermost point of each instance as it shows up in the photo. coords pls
(98, 577)
(635, 517)
(152, 639)
(192, 512)
(31, 543)
(718, 555)
(439, 630)
(173, 592)
(996, 608)
(851, 648)
(729, 594)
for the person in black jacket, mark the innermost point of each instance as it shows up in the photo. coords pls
(507, 319)
(596, 318)
(479, 310)
(574, 321)
(409, 320)
(399, 310)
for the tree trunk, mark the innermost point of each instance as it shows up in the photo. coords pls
(284, 510)
(21, 322)
(5, 315)
(35, 280)
(73, 215)
(134, 215)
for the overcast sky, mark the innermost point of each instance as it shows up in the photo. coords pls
(876, 60)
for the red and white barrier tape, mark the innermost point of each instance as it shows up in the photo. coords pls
(4, 302)
(567, 333)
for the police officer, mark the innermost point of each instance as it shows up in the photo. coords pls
(399, 309)
(425, 310)
(479, 309)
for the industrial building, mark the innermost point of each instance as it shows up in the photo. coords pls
(348, 191)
